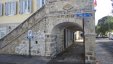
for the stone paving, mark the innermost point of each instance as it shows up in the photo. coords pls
(104, 51)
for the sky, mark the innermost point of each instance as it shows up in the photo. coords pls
(103, 8)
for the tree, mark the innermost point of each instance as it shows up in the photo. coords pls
(105, 25)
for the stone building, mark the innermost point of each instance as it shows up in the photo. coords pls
(50, 30)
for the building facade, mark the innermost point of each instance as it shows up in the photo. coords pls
(14, 12)
(50, 30)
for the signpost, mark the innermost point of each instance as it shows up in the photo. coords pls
(29, 36)
(83, 15)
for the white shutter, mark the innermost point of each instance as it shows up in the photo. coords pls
(13, 8)
(1, 9)
(30, 6)
(26, 6)
(41, 3)
(9, 8)
(21, 6)
(6, 8)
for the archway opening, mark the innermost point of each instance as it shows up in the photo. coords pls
(66, 40)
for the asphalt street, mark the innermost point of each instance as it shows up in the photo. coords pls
(104, 51)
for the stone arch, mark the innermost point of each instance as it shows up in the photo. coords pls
(74, 26)
(63, 34)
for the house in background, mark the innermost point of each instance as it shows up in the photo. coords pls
(14, 12)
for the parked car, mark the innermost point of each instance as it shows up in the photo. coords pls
(111, 36)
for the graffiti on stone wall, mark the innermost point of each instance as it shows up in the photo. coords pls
(41, 36)
(23, 48)
(37, 45)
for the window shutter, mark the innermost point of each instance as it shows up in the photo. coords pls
(1, 9)
(30, 6)
(9, 8)
(40, 3)
(13, 8)
(20, 6)
(26, 6)
(6, 8)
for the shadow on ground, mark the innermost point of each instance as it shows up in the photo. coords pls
(73, 55)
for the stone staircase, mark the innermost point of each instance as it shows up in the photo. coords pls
(11, 40)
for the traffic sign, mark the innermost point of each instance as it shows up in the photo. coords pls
(29, 34)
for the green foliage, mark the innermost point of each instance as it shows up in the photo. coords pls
(104, 25)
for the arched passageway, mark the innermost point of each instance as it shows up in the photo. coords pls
(66, 45)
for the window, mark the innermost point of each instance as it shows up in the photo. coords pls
(2, 32)
(10, 8)
(25, 6)
(1, 9)
(41, 3)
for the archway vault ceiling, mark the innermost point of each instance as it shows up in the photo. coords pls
(68, 25)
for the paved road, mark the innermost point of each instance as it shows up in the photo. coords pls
(73, 55)
(104, 51)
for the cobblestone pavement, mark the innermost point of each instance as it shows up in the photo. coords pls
(104, 51)
(73, 55)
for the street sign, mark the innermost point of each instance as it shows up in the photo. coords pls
(83, 14)
(87, 14)
(29, 34)
(79, 15)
